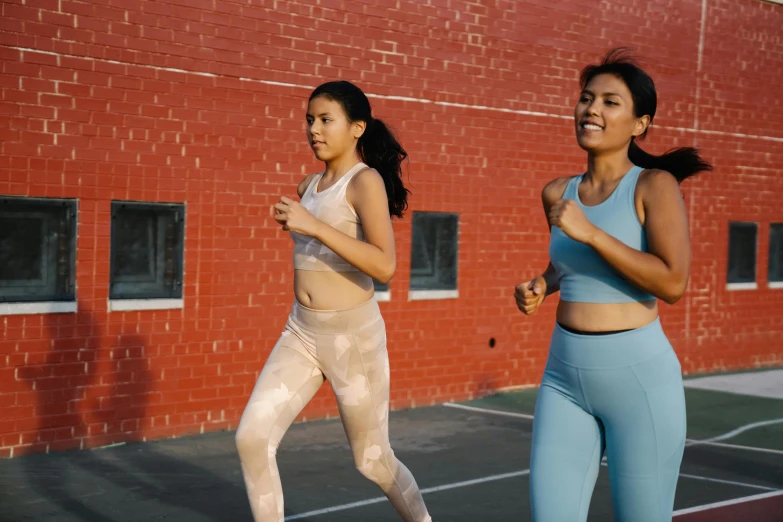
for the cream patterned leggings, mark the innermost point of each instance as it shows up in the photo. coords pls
(348, 348)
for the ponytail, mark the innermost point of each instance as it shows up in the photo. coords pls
(380, 150)
(682, 163)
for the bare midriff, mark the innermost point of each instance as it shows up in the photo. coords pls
(594, 317)
(332, 290)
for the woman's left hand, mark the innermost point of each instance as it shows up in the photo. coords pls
(566, 215)
(294, 217)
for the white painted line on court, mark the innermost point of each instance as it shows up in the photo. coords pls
(731, 482)
(336, 508)
(482, 480)
(424, 491)
(689, 443)
(486, 410)
(710, 479)
(743, 429)
(725, 503)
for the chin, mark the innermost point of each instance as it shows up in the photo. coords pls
(588, 145)
(320, 156)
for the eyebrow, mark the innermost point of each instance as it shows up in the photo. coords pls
(591, 93)
(322, 114)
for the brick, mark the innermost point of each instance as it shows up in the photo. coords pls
(38, 29)
(20, 96)
(58, 19)
(37, 138)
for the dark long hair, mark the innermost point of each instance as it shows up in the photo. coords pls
(682, 162)
(378, 147)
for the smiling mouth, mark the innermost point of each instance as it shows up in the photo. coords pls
(591, 127)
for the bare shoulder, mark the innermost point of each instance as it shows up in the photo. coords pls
(367, 191)
(554, 190)
(302, 187)
(657, 183)
(366, 180)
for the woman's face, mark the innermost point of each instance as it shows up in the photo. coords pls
(604, 115)
(329, 132)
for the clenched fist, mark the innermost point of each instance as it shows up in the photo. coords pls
(294, 217)
(530, 295)
(566, 215)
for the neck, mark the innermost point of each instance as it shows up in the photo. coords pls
(339, 166)
(608, 166)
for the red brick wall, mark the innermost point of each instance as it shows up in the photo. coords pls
(202, 102)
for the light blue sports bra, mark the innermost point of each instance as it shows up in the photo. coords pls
(583, 274)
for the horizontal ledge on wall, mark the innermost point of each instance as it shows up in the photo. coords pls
(131, 305)
(46, 307)
(742, 286)
(775, 284)
(424, 295)
(383, 296)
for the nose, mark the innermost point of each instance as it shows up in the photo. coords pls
(592, 108)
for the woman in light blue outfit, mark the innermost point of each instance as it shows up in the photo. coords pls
(619, 242)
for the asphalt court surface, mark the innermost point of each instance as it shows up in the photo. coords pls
(471, 461)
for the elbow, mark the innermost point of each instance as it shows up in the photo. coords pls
(671, 298)
(386, 272)
(674, 290)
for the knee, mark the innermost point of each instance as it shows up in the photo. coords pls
(374, 463)
(254, 438)
(247, 441)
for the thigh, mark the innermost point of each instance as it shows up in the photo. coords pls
(289, 379)
(565, 458)
(645, 437)
(358, 371)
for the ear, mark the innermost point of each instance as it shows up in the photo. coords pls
(641, 125)
(358, 128)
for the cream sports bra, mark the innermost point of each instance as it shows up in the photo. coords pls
(330, 206)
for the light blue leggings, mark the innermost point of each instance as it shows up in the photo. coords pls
(619, 393)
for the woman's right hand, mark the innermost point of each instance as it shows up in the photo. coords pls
(530, 295)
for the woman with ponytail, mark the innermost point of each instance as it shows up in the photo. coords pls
(343, 239)
(619, 242)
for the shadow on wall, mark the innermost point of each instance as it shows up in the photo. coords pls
(91, 391)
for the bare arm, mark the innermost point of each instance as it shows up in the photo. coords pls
(376, 256)
(529, 295)
(552, 192)
(663, 271)
(552, 281)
